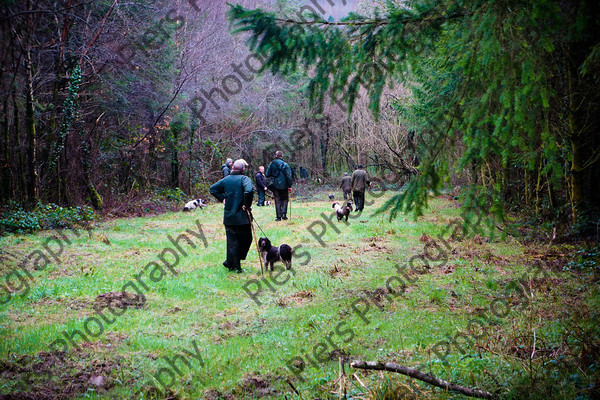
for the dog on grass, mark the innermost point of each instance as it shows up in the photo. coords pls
(193, 204)
(271, 254)
(342, 212)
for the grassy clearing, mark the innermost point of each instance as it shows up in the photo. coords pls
(246, 349)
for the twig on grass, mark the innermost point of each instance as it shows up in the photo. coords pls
(293, 388)
(342, 379)
(359, 381)
(413, 373)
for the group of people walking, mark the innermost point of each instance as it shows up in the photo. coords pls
(236, 191)
(356, 185)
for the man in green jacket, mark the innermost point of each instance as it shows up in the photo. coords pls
(360, 181)
(346, 186)
(281, 173)
(237, 190)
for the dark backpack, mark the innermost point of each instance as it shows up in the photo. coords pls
(274, 177)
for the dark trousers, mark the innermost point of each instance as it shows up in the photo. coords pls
(347, 194)
(261, 197)
(359, 200)
(239, 239)
(282, 198)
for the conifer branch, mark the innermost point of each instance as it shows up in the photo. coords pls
(375, 22)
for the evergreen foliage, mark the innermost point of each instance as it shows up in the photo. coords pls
(44, 216)
(504, 92)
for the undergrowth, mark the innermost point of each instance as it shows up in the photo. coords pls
(17, 219)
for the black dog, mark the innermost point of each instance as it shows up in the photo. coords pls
(347, 209)
(342, 212)
(272, 254)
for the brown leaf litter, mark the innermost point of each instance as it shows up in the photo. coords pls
(297, 298)
(120, 299)
(55, 376)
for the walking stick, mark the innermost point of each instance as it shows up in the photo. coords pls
(290, 203)
(255, 238)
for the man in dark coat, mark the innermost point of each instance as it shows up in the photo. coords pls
(360, 181)
(303, 173)
(237, 191)
(346, 186)
(261, 185)
(226, 168)
(281, 173)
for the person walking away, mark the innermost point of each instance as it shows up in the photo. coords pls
(261, 185)
(237, 191)
(346, 186)
(281, 174)
(226, 168)
(360, 181)
(303, 173)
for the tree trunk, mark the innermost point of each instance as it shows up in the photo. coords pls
(6, 162)
(69, 114)
(29, 115)
(60, 59)
(193, 129)
(538, 186)
(92, 192)
(578, 205)
(21, 174)
(95, 198)
(583, 119)
(175, 167)
(325, 148)
(152, 168)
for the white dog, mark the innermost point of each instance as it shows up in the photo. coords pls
(192, 205)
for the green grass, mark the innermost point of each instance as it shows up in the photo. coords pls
(245, 347)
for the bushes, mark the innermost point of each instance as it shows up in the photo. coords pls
(43, 216)
(168, 194)
(138, 204)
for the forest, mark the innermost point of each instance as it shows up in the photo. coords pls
(476, 122)
(106, 102)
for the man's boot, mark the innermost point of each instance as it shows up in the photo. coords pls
(284, 205)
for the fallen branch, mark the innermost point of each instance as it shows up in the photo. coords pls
(413, 373)
(293, 388)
